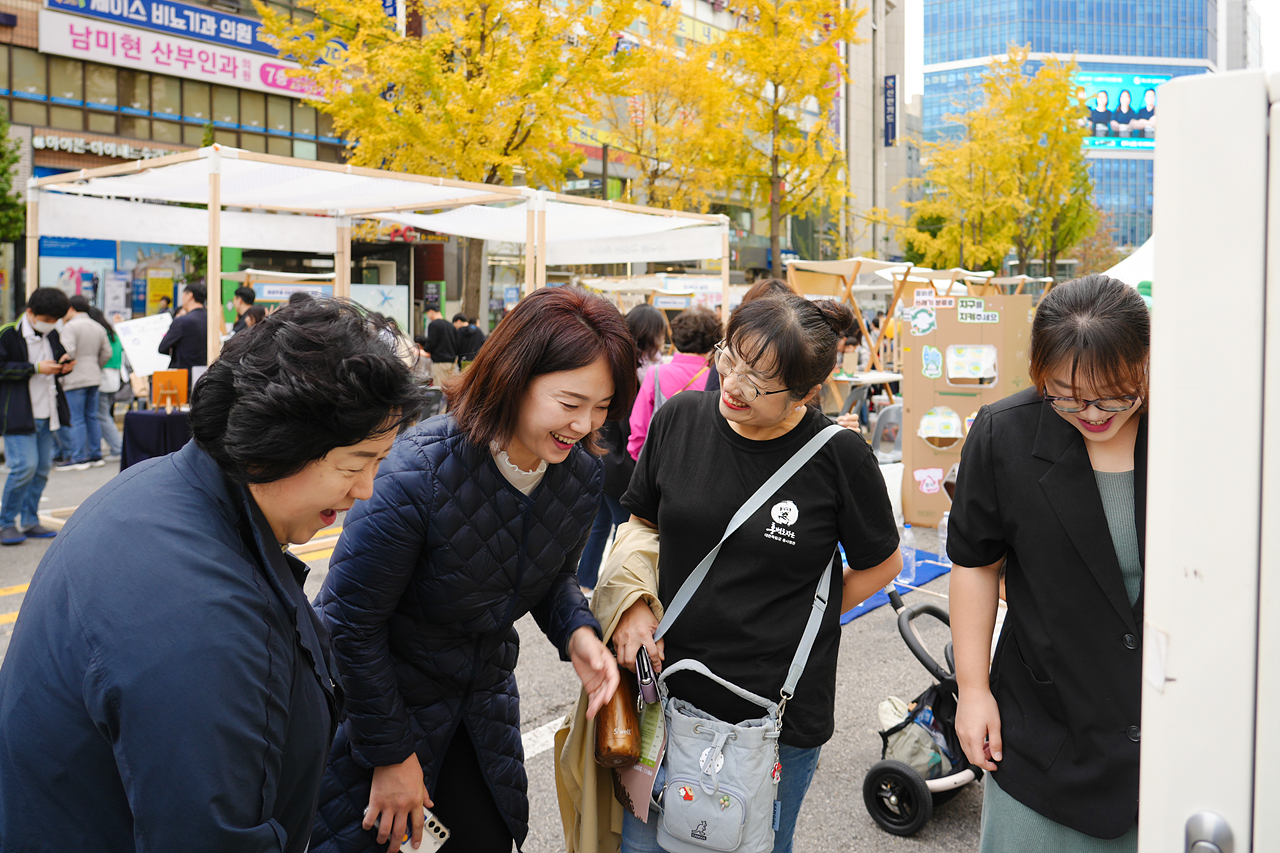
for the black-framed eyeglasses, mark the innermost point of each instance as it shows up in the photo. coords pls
(726, 364)
(1070, 405)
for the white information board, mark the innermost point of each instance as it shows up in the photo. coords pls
(141, 341)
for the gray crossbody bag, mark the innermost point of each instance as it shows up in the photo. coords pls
(722, 778)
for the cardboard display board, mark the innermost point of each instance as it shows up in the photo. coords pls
(958, 354)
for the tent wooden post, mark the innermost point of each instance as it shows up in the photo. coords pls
(540, 261)
(724, 274)
(342, 259)
(888, 318)
(530, 249)
(33, 243)
(862, 320)
(213, 273)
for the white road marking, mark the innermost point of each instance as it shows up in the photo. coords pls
(541, 739)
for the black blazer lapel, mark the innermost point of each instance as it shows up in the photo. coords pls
(1073, 492)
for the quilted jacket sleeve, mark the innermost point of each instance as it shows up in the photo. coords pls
(382, 542)
(564, 608)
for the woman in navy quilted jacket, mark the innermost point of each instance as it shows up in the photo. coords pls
(477, 518)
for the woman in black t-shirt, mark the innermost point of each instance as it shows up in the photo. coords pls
(706, 454)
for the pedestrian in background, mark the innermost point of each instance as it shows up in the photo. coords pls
(693, 333)
(112, 382)
(87, 344)
(32, 408)
(186, 343)
(441, 345)
(167, 686)
(477, 519)
(241, 303)
(1052, 487)
(469, 337)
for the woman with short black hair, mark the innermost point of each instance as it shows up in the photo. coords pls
(694, 332)
(705, 456)
(479, 518)
(1052, 488)
(168, 687)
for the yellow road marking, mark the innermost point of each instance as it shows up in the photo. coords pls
(14, 590)
(319, 555)
(6, 618)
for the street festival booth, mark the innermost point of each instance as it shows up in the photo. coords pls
(960, 349)
(263, 201)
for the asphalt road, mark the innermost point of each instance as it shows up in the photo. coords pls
(874, 663)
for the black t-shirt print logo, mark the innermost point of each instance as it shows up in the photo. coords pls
(785, 514)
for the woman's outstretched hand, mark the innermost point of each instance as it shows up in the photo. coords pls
(635, 629)
(396, 801)
(595, 667)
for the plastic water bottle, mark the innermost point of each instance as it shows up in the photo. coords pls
(908, 548)
(942, 539)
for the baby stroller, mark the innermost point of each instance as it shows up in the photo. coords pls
(897, 794)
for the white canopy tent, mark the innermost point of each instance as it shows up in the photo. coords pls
(303, 205)
(1140, 266)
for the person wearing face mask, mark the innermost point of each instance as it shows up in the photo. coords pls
(479, 517)
(32, 407)
(1052, 487)
(705, 456)
(168, 686)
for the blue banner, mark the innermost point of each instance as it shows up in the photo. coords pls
(890, 110)
(175, 19)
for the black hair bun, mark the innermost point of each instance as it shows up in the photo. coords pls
(837, 314)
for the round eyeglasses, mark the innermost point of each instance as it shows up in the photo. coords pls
(726, 364)
(1071, 406)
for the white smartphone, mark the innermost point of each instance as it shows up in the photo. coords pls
(434, 835)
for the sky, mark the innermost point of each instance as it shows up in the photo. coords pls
(1268, 11)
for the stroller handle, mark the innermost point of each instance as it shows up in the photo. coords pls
(915, 644)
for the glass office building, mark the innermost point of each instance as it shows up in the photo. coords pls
(1122, 46)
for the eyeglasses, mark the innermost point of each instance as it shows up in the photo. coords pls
(1070, 405)
(726, 364)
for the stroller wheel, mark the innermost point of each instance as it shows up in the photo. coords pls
(897, 798)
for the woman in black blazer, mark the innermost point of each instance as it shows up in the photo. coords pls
(1052, 490)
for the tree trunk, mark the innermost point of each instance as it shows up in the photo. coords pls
(775, 206)
(474, 302)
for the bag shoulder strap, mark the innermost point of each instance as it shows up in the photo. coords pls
(748, 509)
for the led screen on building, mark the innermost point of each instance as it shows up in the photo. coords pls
(1119, 108)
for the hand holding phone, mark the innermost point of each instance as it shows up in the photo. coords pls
(434, 835)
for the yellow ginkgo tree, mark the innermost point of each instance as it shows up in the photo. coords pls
(478, 90)
(785, 66)
(672, 120)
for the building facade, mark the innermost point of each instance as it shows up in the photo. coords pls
(1125, 50)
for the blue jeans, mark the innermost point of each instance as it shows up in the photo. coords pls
(609, 516)
(30, 457)
(798, 766)
(85, 433)
(107, 422)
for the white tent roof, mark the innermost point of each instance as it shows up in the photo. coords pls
(845, 267)
(1139, 266)
(89, 204)
(576, 234)
(269, 185)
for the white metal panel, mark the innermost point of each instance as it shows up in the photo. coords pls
(1266, 787)
(1204, 490)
